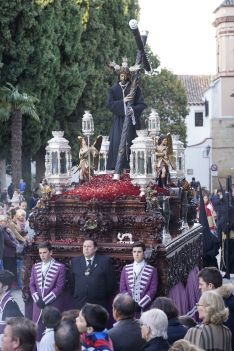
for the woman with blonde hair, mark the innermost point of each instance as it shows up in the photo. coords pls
(184, 345)
(211, 335)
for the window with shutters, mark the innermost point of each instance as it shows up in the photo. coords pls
(198, 119)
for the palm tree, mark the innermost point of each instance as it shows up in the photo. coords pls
(14, 105)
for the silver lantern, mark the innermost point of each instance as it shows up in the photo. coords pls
(58, 161)
(142, 160)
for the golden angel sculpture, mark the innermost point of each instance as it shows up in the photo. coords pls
(46, 193)
(165, 158)
(89, 157)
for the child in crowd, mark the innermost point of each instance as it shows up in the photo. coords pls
(21, 220)
(51, 318)
(91, 323)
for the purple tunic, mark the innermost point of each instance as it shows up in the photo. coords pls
(148, 283)
(48, 288)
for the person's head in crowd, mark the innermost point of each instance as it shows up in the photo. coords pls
(187, 321)
(92, 318)
(154, 323)
(67, 337)
(166, 305)
(70, 314)
(211, 308)
(23, 205)
(15, 200)
(89, 248)
(45, 251)
(12, 213)
(20, 215)
(51, 317)
(7, 279)
(206, 199)
(19, 334)
(220, 193)
(138, 249)
(184, 345)
(123, 306)
(3, 221)
(209, 278)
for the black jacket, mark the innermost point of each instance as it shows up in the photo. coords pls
(175, 330)
(97, 286)
(11, 309)
(126, 335)
(157, 344)
(1, 242)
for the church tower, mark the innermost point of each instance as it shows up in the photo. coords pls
(220, 93)
(224, 24)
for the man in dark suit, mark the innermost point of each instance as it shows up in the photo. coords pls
(93, 276)
(126, 333)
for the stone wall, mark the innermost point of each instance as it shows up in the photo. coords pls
(222, 133)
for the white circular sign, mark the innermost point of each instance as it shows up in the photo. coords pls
(214, 167)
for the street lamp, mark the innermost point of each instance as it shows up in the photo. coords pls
(207, 150)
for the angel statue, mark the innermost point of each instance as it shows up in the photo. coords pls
(165, 158)
(46, 193)
(89, 157)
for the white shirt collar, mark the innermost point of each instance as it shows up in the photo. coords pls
(46, 264)
(89, 259)
(137, 266)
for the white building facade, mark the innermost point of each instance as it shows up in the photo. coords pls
(198, 152)
(209, 156)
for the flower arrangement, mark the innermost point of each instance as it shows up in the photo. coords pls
(104, 188)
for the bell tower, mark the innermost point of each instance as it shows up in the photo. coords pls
(221, 90)
(224, 24)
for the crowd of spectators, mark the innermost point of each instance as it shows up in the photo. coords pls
(146, 322)
(159, 328)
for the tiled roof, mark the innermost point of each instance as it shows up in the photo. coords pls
(195, 87)
(227, 2)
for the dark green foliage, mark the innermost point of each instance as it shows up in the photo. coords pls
(14, 104)
(164, 92)
(41, 51)
(58, 51)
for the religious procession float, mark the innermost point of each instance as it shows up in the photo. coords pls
(152, 202)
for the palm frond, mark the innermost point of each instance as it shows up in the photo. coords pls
(4, 92)
(14, 96)
(10, 95)
(5, 111)
(30, 111)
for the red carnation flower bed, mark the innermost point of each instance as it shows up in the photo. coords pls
(104, 188)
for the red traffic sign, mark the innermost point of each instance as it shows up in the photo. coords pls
(214, 167)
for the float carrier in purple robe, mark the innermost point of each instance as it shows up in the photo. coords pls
(148, 283)
(49, 289)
